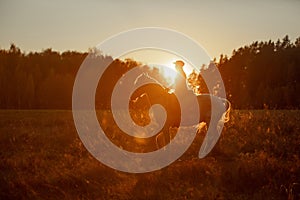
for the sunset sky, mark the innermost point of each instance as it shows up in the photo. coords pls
(219, 26)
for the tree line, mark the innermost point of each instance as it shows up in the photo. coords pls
(256, 76)
(260, 75)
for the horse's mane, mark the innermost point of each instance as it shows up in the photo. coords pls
(145, 76)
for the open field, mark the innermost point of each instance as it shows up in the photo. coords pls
(41, 157)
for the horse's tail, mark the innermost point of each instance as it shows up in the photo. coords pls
(226, 115)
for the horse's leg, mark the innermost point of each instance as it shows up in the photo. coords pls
(215, 123)
(211, 137)
(161, 140)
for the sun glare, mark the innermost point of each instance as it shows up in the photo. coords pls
(162, 60)
(169, 73)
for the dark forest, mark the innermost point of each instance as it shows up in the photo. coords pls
(262, 75)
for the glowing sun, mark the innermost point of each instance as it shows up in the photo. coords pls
(169, 72)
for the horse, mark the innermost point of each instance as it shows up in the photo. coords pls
(149, 94)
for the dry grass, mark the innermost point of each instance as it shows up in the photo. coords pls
(41, 157)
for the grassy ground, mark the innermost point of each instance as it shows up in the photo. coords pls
(41, 157)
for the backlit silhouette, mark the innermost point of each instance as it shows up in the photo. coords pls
(148, 96)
